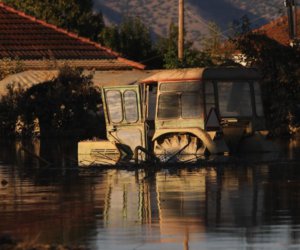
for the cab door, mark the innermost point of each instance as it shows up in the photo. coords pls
(125, 123)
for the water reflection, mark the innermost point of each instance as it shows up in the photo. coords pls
(228, 207)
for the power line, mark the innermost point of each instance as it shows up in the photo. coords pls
(206, 23)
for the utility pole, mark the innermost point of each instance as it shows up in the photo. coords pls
(180, 30)
(291, 6)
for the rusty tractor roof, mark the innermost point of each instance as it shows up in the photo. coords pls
(225, 73)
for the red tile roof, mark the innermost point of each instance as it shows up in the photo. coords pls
(28, 39)
(278, 29)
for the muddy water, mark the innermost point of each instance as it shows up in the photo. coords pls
(246, 205)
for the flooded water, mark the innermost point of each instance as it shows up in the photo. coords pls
(233, 206)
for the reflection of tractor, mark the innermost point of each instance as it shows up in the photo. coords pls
(178, 115)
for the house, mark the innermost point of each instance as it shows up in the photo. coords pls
(278, 30)
(34, 42)
(40, 48)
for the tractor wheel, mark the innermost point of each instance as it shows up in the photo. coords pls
(179, 148)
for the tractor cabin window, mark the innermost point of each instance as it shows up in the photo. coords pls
(258, 100)
(117, 101)
(114, 105)
(168, 106)
(131, 106)
(180, 100)
(234, 99)
(209, 96)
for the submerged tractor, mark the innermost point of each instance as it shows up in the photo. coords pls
(181, 115)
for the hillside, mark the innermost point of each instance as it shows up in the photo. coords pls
(158, 14)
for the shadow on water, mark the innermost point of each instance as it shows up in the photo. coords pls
(41, 158)
(43, 202)
(233, 206)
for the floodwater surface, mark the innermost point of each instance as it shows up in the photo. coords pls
(232, 206)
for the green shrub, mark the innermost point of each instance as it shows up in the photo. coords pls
(67, 105)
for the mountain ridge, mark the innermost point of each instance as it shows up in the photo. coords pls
(159, 14)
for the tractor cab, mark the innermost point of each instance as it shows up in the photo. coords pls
(180, 115)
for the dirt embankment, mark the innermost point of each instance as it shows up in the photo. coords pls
(9, 243)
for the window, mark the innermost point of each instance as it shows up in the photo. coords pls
(151, 107)
(168, 106)
(131, 106)
(258, 100)
(234, 99)
(191, 105)
(180, 86)
(114, 104)
(209, 96)
(180, 99)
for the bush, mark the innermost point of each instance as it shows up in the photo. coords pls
(10, 111)
(280, 67)
(68, 105)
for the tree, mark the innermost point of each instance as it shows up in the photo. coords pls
(74, 15)
(9, 104)
(280, 67)
(132, 39)
(241, 27)
(10, 109)
(68, 103)
(213, 40)
(219, 49)
(168, 49)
